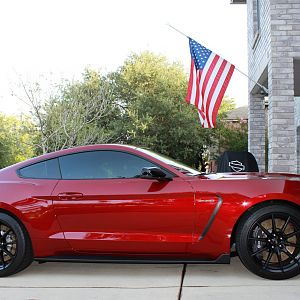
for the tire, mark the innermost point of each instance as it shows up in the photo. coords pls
(268, 241)
(15, 246)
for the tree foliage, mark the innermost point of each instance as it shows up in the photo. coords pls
(156, 115)
(230, 136)
(79, 114)
(15, 140)
(233, 137)
(76, 113)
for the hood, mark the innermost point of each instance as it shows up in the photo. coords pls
(262, 176)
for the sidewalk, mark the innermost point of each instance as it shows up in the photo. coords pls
(70, 281)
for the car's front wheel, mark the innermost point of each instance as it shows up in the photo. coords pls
(268, 241)
(15, 246)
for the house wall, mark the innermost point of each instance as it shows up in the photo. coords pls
(271, 62)
(259, 49)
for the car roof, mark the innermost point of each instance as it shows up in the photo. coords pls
(120, 147)
(72, 150)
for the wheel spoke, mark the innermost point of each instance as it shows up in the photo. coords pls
(287, 236)
(264, 229)
(5, 234)
(268, 259)
(292, 257)
(292, 244)
(8, 253)
(278, 254)
(283, 228)
(259, 251)
(8, 243)
(273, 224)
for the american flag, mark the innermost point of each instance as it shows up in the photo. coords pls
(209, 77)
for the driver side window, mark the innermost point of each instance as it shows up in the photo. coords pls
(102, 164)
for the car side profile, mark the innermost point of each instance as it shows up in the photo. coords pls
(117, 203)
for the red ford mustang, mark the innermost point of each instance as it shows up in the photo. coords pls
(116, 203)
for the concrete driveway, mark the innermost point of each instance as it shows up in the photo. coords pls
(70, 281)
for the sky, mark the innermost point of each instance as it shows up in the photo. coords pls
(57, 39)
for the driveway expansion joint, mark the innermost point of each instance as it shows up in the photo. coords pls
(181, 282)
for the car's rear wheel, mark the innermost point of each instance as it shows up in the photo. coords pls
(15, 246)
(268, 241)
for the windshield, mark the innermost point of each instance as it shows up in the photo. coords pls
(172, 163)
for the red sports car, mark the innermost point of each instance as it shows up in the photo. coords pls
(116, 203)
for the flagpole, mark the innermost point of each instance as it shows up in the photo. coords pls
(178, 30)
(261, 86)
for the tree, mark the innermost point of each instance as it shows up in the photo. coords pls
(156, 116)
(80, 114)
(75, 113)
(230, 136)
(15, 136)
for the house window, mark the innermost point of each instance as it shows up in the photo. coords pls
(257, 15)
(297, 77)
(256, 21)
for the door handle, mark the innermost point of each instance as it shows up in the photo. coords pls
(70, 196)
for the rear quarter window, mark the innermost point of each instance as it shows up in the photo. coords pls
(48, 169)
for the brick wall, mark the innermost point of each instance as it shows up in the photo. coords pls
(256, 128)
(285, 45)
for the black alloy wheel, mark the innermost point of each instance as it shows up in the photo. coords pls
(8, 246)
(268, 241)
(15, 246)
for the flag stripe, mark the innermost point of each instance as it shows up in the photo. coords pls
(211, 86)
(201, 116)
(216, 95)
(206, 73)
(191, 83)
(198, 95)
(221, 94)
(213, 93)
(209, 77)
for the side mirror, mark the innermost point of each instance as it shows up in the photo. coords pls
(154, 173)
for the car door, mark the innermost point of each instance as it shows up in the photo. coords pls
(103, 207)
